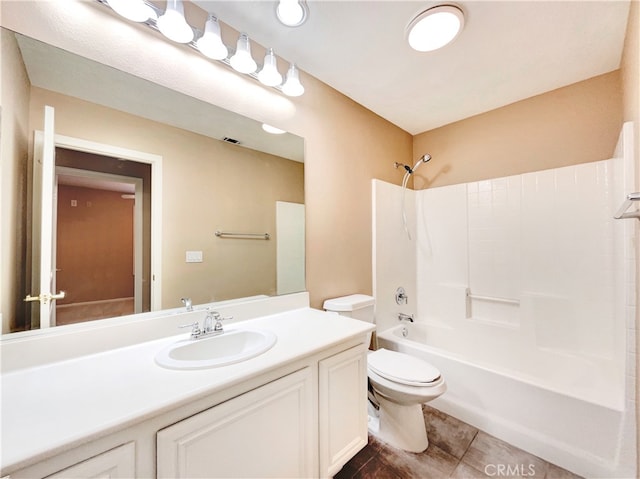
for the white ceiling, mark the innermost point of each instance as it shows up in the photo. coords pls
(508, 51)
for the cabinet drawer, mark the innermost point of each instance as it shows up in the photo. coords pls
(119, 462)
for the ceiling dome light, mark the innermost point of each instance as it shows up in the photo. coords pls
(291, 13)
(242, 61)
(134, 10)
(172, 23)
(435, 27)
(292, 85)
(210, 43)
(272, 129)
(269, 75)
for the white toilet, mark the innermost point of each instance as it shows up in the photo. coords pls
(401, 383)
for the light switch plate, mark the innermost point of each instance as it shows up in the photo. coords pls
(194, 256)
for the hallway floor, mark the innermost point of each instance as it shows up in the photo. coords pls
(456, 450)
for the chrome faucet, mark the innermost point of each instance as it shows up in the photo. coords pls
(187, 303)
(212, 325)
(405, 317)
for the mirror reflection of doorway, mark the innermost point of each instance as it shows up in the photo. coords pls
(102, 236)
(96, 245)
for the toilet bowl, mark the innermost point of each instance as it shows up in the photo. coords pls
(401, 384)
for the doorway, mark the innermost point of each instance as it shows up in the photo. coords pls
(103, 231)
(99, 245)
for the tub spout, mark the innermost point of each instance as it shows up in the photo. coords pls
(405, 317)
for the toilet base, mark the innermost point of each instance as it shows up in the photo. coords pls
(401, 426)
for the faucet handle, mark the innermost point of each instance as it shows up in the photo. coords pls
(218, 319)
(195, 331)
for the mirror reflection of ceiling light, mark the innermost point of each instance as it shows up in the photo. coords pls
(272, 129)
(173, 25)
(210, 43)
(134, 10)
(435, 27)
(291, 13)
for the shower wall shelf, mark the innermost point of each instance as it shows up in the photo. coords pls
(227, 234)
(632, 198)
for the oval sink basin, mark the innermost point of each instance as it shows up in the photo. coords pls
(227, 348)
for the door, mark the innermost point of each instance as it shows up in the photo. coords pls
(268, 432)
(43, 277)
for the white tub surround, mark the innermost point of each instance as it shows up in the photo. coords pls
(527, 282)
(57, 415)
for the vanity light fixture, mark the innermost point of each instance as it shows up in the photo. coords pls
(173, 25)
(272, 129)
(210, 43)
(292, 85)
(134, 10)
(291, 13)
(435, 27)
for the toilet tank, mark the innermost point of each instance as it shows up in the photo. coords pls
(357, 306)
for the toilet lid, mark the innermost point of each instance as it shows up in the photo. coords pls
(402, 368)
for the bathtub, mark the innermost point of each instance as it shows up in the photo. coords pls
(586, 436)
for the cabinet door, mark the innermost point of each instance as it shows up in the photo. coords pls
(119, 462)
(342, 408)
(267, 432)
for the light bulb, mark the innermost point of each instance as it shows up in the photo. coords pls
(292, 85)
(172, 23)
(291, 13)
(272, 129)
(241, 60)
(210, 43)
(434, 28)
(269, 75)
(134, 10)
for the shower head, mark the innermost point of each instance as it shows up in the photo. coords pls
(423, 159)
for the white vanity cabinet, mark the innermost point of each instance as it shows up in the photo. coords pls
(298, 411)
(342, 408)
(267, 432)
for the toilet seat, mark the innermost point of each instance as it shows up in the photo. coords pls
(402, 368)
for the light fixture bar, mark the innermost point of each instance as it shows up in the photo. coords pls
(193, 44)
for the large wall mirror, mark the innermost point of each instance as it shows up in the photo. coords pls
(144, 178)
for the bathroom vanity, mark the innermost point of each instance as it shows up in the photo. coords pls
(296, 410)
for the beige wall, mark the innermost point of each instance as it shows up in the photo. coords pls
(631, 101)
(575, 124)
(207, 185)
(14, 88)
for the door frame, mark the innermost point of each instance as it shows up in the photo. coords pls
(78, 144)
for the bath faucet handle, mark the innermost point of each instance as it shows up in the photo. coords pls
(405, 317)
(195, 329)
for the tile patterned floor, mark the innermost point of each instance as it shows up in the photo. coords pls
(456, 451)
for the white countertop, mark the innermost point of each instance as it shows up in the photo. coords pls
(48, 407)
